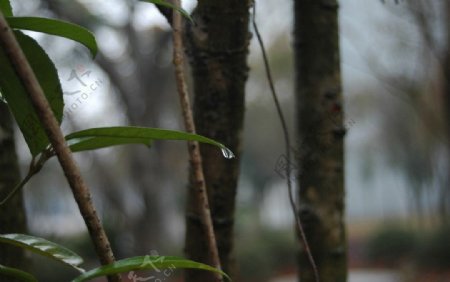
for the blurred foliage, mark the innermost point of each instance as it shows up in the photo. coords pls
(264, 253)
(393, 245)
(413, 127)
(390, 245)
(434, 249)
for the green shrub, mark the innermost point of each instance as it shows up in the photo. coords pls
(266, 253)
(390, 245)
(434, 249)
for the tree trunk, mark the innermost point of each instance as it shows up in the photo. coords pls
(217, 48)
(445, 199)
(320, 131)
(12, 214)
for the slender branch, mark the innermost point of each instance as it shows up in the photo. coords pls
(79, 189)
(292, 202)
(34, 168)
(194, 149)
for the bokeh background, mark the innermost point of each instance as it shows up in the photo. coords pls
(397, 146)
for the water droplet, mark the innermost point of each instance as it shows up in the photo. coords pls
(227, 153)
(2, 99)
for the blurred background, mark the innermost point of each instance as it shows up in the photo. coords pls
(397, 147)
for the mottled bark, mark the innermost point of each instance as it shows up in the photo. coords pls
(320, 132)
(217, 47)
(12, 214)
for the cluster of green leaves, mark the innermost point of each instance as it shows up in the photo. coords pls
(14, 94)
(66, 256)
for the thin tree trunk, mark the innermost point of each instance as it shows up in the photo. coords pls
(320, 132)
(217, 47)
(12, 214)
(445, 202)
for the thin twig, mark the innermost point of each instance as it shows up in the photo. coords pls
(194, 149)
(34, 168)
(287, 147)
(79, 189)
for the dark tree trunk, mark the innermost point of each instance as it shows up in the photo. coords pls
(445, 199)
(217, 47)
(320, 132)
(12, 214)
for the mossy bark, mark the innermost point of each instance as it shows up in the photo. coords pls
(12, 214)
(217, 47)
(320, 152)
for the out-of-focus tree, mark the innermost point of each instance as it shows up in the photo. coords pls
(12, 213)
(445, 201)
(320, 151)
(418, 122)
(433, 23)
(142, 75)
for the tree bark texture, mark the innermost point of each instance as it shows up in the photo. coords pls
(321, 130)
(12, 214)
(217, 47)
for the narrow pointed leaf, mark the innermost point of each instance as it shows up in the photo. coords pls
(17, 97)
(93, 143)
(171, 6)
(146, 263)
(17, 273)
(58, 28)
(45, 248)
(142, 133)
(5, 7)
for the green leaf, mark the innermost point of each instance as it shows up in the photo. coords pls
(58, 28)
(5, 7)
(17, 273)
(171, 6)
(93, 143)
(145, 134)
(45, 248)
(146, 263)
(18, 99)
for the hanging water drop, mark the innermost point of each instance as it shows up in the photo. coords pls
(2, 99)
(227, 153)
